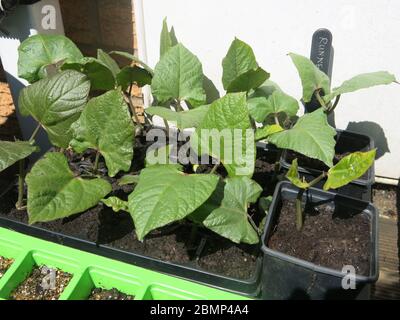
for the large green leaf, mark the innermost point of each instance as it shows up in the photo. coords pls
(277, 102)
(179, 75)
(294, 177)
(349, 168)
(311, 77)
(248, 80)
(109, 62)
(106, 125)
(311, 136)
(165, 194)
(226, 134)
(100, 76)
(133, 75)
(266, 131)
(54, 191)
(239, 60)
(226, 211)
(361, 81)
(11, 152)
(42, 50)
(183, 119)
(167, 40)
(56, 103)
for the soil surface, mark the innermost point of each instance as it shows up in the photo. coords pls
(5, 264)
(101, 225)
(32, 288)
(385, 199)
(113, 294)
(326, 240)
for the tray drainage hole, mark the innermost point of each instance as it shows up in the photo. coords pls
(43, 283)
(5, 264)
(112, 294)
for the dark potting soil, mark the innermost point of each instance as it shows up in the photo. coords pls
(326, 239)
(170, 243)
(113, 294)
(36, 287)
(5, 264)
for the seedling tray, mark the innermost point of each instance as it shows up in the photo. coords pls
(91, 271)
(287, 277)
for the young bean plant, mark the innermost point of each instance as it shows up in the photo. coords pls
(85, 103)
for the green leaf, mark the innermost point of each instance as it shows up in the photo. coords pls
(116, 204)
(41, 50)
(248, 80)
(361, 81)
(267, 88)
(164, 194)
(226, 134)
(265, 203)
(183, 119)
(105, 125)
(239, 60)
(226, 211)
(12, 152)
(311, 136)
(166, 40)
(128, 179)
(134, 59)
(349, 168)
(312, 78)
(260, 107)
(293, 176)
(179, 75)
(109, 62)
(135, 75)
(56, 103)
(266, 131)
(100, 76)
(54, 192)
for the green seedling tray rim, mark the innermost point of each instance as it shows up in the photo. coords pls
(83, 264)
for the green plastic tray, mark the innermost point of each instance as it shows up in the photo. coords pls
(91, 271)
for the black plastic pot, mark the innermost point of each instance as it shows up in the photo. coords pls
(249, 287)
(346, 141)
(287, 277)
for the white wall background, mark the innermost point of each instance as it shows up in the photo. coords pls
(366, 37)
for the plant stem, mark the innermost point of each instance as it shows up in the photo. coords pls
(193, 235)
(253, 223)
(320, 100)
(35, 132)
(21, 182)
(334, 104)
(276, 119)
(96, 162)
(215, 168)
(317, 179)
(299, 210)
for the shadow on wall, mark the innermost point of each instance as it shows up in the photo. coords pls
(374, 131)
